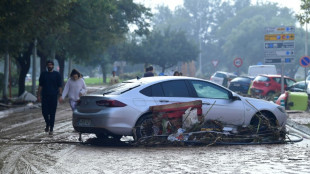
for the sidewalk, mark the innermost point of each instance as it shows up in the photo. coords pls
(298, 120)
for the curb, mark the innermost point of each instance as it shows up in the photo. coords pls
(301, 128)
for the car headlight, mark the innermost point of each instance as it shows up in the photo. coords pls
(281, 108)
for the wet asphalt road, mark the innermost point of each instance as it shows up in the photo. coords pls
(26, 148)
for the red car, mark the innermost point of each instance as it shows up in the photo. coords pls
(267, 85)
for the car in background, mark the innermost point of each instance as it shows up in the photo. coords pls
(123, 108)
(308, 78)
(268, 85)
(222, 78)
(298, 87)
(240, 84)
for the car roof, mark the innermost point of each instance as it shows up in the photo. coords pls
(276, 75)
(273, 75)
(159, 79)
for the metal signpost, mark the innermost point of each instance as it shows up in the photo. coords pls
(304, 61)
(279, 47)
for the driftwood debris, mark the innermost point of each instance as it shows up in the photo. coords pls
(170, 126)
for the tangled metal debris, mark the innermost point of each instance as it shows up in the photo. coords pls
(184, 124)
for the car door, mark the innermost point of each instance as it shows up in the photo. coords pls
(217, 104)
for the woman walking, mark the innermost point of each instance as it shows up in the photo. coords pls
(74, 88)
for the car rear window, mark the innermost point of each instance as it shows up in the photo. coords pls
(241, 79)
(262, 79)
(220, 75)
(118, 88)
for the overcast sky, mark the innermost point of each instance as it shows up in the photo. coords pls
(294, 4)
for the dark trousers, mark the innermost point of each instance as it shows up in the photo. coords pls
(49, 105)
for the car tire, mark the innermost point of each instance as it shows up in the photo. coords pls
(143, 127)
(267, 120)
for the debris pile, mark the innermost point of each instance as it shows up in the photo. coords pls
(184, 124)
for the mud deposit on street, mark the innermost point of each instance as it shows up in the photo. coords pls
(26, 148)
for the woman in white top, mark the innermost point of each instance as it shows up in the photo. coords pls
(74, 88)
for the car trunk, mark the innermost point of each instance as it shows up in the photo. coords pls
(88, 104)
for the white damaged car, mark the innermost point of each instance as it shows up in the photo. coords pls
(119, 109)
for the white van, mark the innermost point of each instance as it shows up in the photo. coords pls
(255, 70)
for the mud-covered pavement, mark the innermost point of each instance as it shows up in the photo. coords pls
(26, 148)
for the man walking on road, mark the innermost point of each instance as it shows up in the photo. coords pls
(49, 89)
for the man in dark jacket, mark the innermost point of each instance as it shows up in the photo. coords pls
(49, 89)
(149, 72)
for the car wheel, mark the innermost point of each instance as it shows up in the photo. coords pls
(262, 122)
(144, 127)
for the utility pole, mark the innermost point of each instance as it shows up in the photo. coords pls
(306, 51)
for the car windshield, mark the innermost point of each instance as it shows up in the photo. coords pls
(118, 88)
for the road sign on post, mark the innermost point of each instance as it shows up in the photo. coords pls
(304, 61)
(238, 62)
(279, 47)
(215, 62)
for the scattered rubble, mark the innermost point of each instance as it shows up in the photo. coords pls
(183, 124)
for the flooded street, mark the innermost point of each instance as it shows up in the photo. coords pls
(26, 148)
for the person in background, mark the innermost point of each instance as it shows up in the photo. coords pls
(176, 73)
(149, 72)
(49, 89)
(180, 74)
(114, 79)
(74, 88)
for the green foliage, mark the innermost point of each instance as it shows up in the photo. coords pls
(165, 48)
(305, 16)
(93, 81)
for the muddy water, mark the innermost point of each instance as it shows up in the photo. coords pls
(25, 148)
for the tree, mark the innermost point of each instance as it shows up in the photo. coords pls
(165, 49)
(78, 29)
(95, 26)
(242, 35)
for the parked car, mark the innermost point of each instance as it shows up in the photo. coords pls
(308, 78)
(240, 84)
(123, 108)
(222, 78)
(268, 85)
(298, 87)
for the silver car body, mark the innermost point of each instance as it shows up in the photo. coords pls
(235, 110)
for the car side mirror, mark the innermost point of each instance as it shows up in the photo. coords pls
(234, 97)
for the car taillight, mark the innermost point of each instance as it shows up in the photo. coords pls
(110, 103)
(267, 84)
